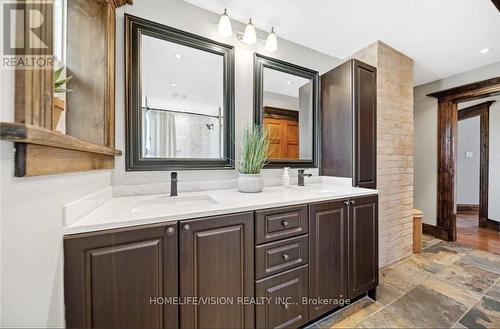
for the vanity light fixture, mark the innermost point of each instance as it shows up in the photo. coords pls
(225, 28)
(249, 37)
(271, 42)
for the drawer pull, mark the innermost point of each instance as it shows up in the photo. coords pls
(170, 230)
(186, 227)
(346, 202)
(285, 256)
(284, 223)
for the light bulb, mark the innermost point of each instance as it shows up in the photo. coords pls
(225, 28)
(272, 41)
(250, 37)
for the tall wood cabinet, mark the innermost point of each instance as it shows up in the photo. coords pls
(216, 260)
(349, 123)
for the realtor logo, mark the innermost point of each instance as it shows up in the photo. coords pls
(27, 34)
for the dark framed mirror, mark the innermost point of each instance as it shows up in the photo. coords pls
(286, 103)
(180, 99)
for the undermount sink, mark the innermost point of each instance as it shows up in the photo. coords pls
(185, 201)
(308, 188)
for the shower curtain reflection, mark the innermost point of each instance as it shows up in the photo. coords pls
(181, 134)
(159, 133)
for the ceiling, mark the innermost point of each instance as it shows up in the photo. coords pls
(282, 83)
(444, 37)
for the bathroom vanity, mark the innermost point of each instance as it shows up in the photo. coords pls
(279, 258)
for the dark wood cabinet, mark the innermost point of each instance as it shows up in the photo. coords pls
(124, 278)
(283, 293)
(363, 245)
(349, 123)
(217, 260)
(343, 250)
(113, 278)
(327, 254)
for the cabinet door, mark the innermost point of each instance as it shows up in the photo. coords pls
(365, 125)
(216, 261)
(284, 293)
(363, 245)
(327, 254)
(113, 278)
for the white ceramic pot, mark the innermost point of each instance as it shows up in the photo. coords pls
(250, 183)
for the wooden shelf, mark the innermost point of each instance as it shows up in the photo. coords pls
(40, 151)
(28, 134)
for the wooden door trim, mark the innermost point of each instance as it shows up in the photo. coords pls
(447, 144)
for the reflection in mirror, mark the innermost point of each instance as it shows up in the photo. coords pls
(182, 100)
(287, 102)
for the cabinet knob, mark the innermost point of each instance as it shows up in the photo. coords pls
(346, 202)
(284, 223)
(352, 201)
(285, 256)
(170, 230)
(186, 227)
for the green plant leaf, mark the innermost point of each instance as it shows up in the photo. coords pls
(255, 149)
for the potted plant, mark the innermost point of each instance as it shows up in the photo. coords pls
(58, 103)
(256, 145)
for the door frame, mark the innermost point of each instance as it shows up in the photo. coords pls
(448, 101)
(482, 111)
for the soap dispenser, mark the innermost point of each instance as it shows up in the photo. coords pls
(285, 181)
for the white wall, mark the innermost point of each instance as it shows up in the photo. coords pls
(468, 167)
(184, 16)
(425, 116)
(494, 164)
(31, 233)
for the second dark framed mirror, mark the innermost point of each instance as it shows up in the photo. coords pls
(286, 103)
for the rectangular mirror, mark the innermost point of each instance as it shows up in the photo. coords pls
(286, 104)
(181, 99)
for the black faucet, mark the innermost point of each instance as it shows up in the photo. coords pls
(301, 177)
(173, 184)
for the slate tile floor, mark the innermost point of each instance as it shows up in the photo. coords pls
(446, 286)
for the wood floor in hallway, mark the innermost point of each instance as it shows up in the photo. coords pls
(471, 235)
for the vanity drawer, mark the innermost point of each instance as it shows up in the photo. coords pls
(285, 309)
(274, 257)
(279, 223)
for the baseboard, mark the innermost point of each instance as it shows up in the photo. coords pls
(436, 231)
(468, 207)
(493, 224)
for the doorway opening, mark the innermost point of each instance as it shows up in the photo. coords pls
(474, 228)
(448, 117)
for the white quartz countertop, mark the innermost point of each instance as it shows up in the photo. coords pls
(128, 211)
